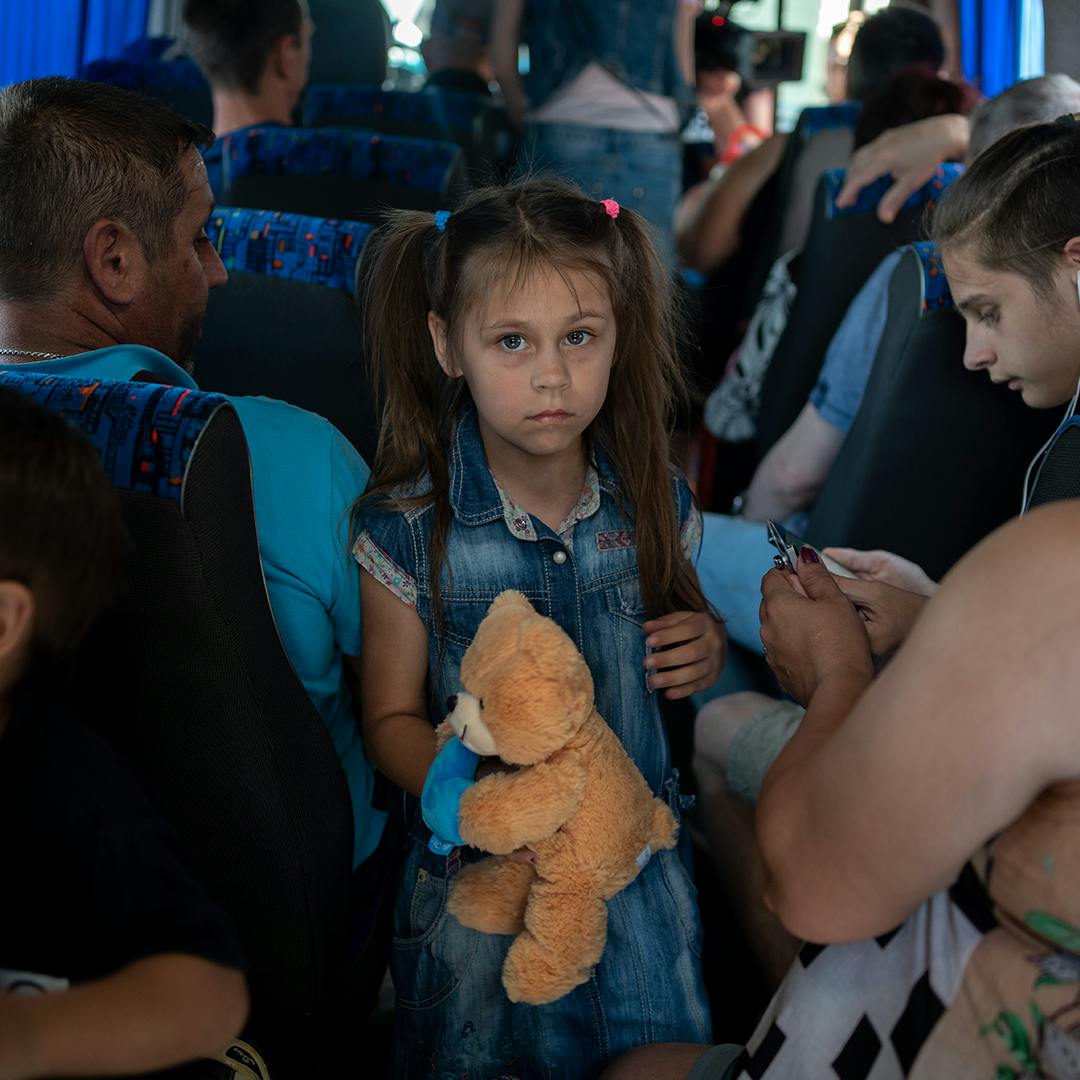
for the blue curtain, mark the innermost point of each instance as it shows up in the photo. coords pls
(56, 37)
(990, 43)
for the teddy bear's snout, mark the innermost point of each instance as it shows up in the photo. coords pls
(451, 703)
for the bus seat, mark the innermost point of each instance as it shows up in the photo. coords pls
(936, 457)
(337, 172)
(842, 250)
(285, 326)
(781, 213)
(1057, 476)
(177, 82)
(188, 678)
(478, 124)
(322, 251)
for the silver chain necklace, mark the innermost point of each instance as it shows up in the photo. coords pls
(28, 352)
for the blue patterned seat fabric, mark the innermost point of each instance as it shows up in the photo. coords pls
(180, 73)
(871, 195)
(398, 160)
(143, 432)
(935, 285)
(451, 109)
(319, 250)
(817, 118)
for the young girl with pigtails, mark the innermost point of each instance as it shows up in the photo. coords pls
(525, 350)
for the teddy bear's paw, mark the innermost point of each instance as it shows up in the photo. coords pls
(535, 975)
(490, 896)
(443, 734)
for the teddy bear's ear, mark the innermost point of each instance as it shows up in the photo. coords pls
(510, 598)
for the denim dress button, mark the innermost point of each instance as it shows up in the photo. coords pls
(559, 557)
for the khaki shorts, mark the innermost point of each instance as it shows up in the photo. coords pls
(757, 744)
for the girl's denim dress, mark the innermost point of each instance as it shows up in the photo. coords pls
(453, 1017)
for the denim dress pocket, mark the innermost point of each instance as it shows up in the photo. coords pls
(431, 951)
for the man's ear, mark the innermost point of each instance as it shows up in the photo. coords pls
(115, 261)
(286, 56)
(16, 617)
(1072, 252)
(439, 340)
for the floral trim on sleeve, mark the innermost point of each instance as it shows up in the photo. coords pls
(690, 534)
(384, 570)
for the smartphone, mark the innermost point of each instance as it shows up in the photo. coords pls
(789, 545)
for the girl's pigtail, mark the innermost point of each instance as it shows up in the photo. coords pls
(396, 279)
(635, 427)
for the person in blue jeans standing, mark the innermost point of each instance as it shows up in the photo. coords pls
(526, 350)
(608, 90)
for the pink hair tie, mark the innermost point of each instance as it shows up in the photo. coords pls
(611, 208)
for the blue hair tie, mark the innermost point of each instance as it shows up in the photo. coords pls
(441, 218)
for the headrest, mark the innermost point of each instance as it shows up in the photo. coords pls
(148, 48)
(872, 194)
(319, 250)
(935, 285)
(453, 109)
(817, 118)
(180, 72)
(398, 160)
(144, 433)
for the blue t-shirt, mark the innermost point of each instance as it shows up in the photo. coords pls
(846, 370)
(305, 475)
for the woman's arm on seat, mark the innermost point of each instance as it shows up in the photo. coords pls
(881, 797)
(911, 154)
(708, 223)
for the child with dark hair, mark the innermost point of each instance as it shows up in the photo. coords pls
(112, 959)
(526, 346)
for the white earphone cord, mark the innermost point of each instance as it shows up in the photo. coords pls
(1038, 458)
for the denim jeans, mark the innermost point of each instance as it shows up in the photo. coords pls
(641, 170)
(454, 1019)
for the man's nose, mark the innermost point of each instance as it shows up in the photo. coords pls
(216, 274)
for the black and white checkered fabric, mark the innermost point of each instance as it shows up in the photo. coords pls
(863, 1011)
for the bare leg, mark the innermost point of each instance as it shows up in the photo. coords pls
(729, 822)
(663, 1061)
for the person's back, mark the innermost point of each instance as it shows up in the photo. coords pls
(97, 901)
(256, 55)
(605, 97)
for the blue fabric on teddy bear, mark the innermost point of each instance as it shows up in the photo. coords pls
(451, 774)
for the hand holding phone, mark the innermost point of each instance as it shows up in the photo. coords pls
(789, 545)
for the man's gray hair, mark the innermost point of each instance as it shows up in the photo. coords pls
(1033, 101)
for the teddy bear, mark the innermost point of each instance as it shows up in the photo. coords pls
(572, 795)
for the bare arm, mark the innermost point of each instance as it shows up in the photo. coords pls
(793, 472)
(878, 800)
(153, 1014)
(684, 38)
(393, 671)
(505, 39)
(708, 226)
(911, 154)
